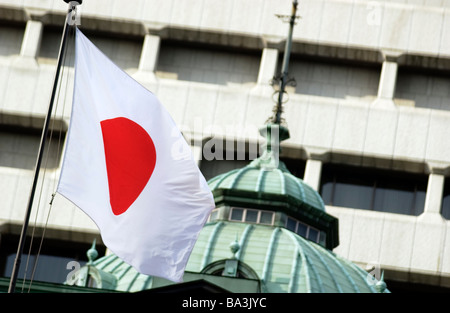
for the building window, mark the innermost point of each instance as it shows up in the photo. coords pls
(445, 211)
(50, 264)
(295, 166)
(422, 88)
(214, 215)
(252, 216)
(19, 145)
(125, 52)
(306, 231)
(11, 38)
(342, 80)
(373, 189)
(238, 157)
(223, 161)
(207, 64)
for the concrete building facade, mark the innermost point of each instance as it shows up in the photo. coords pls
(368, 117)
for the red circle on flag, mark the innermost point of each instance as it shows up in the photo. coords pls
(130, 157)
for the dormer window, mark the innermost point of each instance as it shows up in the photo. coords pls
(251, 216)
(270, 218)
(306, 231)
(214, 215)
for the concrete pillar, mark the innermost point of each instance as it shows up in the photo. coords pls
(435, 190)
(313, 172)
(150, 53)
(31, 42)
(388, 79)
(268, 65)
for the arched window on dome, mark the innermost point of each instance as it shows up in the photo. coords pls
(230, 268)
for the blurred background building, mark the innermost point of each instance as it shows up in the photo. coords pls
(368, 116)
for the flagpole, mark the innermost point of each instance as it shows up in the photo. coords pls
(284, 79)
(17, 261)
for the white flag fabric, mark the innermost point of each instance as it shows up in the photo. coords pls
(128, 167)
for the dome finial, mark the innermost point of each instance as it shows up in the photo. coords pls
(92, 253)
(380, 286)
(274, 134)
(235, 247)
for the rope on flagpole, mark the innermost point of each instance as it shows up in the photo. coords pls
(17, 261)
(57, 155)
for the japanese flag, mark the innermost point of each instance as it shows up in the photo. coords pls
(128, 167)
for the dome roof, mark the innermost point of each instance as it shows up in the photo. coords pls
(257, 179)
(267, 184)
(282, 261)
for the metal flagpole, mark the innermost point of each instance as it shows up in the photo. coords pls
(69, 21)
(284, 80)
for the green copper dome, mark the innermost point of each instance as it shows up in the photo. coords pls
(267, 184)
(257, 180)
(282, 260)
(268, 259)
